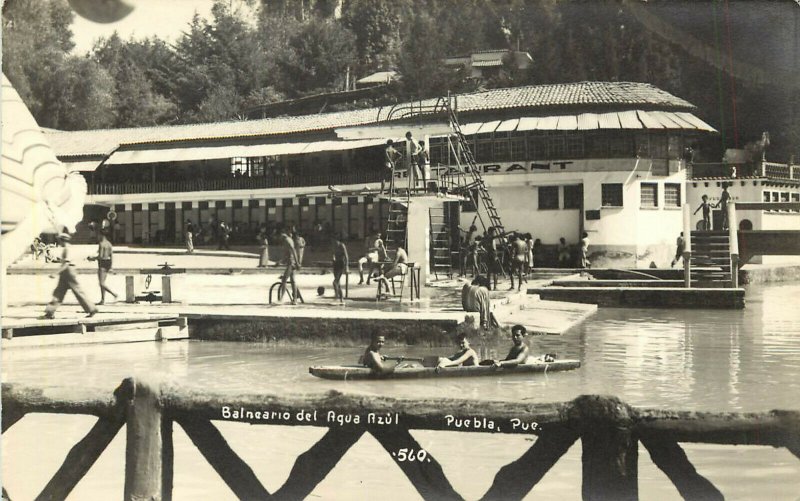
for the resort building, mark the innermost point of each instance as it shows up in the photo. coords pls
(488, 63)
(606, 158)
(769, 183)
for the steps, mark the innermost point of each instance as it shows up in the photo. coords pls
(440, 245)
(711, 259)
(477, 180)
(396, 227)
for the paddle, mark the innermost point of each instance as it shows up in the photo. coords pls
(428, 361)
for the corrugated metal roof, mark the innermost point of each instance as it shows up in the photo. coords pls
(649, 121)
(567, 122)
(378, 77)
(588, 121)
(487, 64)
(489, 127)
(701, 125)
(616, 94)
(142, 156)
(528, 123)
(508, 125)
(628, 120)
(608, 121)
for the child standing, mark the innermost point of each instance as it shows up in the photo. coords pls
(706, 213)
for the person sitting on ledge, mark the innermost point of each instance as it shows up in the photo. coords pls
(475, 298)
(466, 356)
(519, 350)
(372, 357)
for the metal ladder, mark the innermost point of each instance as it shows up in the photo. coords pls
(396, 226)
(440, 242)
(477, 179)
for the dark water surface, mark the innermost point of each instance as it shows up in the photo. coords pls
(678, 359)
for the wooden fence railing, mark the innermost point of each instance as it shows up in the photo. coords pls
(609, 430)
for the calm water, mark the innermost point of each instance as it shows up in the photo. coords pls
(683, 359)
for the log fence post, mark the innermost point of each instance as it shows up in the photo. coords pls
(610, 448)
(143, 450)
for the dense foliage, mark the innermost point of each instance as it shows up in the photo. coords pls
(236, 60)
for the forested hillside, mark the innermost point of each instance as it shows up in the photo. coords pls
(738, 61)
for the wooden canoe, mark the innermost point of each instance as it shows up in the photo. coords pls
(345, 372)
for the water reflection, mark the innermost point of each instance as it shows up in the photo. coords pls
(683, 359)
(690, 359)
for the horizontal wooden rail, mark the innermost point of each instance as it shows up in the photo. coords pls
(610, 431)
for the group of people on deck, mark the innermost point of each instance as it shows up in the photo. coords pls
(419, 162)
(464, 357)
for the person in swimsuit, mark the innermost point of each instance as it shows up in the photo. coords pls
(372, 357)
(706, 213)
(519, 350)
(399, 268)
(341, 265)
(104, 254)
(519, 252)
(466, 355)
(292, 264)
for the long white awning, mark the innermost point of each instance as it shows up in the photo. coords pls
(231, 151)
(82, 166)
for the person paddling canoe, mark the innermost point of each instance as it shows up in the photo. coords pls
(373, 358)
(519, 350)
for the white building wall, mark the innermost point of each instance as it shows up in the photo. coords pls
(626, 236)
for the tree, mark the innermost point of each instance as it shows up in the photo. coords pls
(80, 96)
(135, 101)
(36, 39)
(376, 26)
(318, 56)
(421, 59)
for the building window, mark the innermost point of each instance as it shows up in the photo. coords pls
(658, 146)
(575, 146)
(501, 151)
(438, 151)
(557, 147)
(766, 196)
(548, 197)
(238, 165)
(675, 147)
(537, 147)
(573, 196)
(518, 147)
(484, 151)
(784, 196)
(672, 195)
(612, 195)
(642, 146)
(335, 163)
(598, 146)
(649, 195)
(620, 146)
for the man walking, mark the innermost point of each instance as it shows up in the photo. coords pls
(67, 280)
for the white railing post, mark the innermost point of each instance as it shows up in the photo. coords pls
(687, 245)
(733, 243)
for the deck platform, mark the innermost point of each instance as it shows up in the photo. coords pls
(21, 330)
(647, 297)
